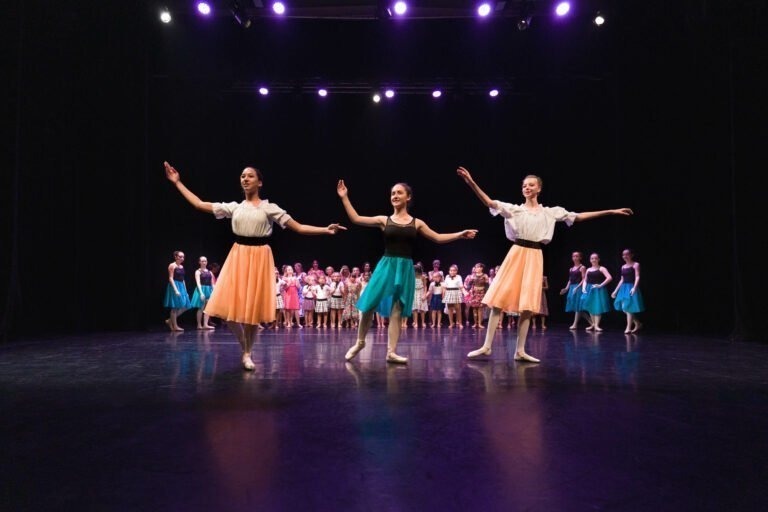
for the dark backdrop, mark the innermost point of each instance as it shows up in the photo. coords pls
(661, 110)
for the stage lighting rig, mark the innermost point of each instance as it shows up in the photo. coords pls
(239, 14)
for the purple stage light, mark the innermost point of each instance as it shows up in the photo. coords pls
(493, 93)
(484, 9)
(278, 8)
(322, 92)
(400, 8)
(389, 93)
(563, 8)
(263, 91)
(204, 8)
(437, 93)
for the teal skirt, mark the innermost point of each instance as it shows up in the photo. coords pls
(392, 280)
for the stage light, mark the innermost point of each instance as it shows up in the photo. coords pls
(389, 93)
(263, 91)
(322, 92)
(599, 19)
(523, 23)
(376, 98)
(563, 8)
(165, 16)
(278, 8)
(484, 9)
(204, 8)
(437, 93)
(240, 15)
(493, 93)
(400, 8)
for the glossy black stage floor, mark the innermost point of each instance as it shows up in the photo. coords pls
(167, 422)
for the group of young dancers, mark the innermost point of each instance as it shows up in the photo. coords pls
(246, 295)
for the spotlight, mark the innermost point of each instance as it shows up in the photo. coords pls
(263, 91)
(240, 15)
(389, 93)
(493, 93)
(599, 19)
(278, 8)
(563, 8)
(322, 92)
(165, 16)
(484, 9)
(437, 93)
(376, 98)
(523, 23)
(204, 8)
(400, 8)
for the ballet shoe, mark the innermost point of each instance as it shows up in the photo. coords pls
(248, 362)
(482, 351)
(354, 349)
(526, 358)
(394, 358)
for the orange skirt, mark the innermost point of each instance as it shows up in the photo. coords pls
(517, 285)
(245, 289)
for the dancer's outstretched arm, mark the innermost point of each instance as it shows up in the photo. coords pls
(173, 176)
(379, 221)
(306, 229)
(484, 198)
(602, 213)
(442, 238)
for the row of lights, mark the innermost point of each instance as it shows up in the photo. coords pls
(389, 93)
(399, 8)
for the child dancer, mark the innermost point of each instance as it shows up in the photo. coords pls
(245, 291)
(572, 289)
(176, 295)
(308, 292)
(291, 297)
(353, 288)
(478, 286)
(435, 298)
(322, 291)
(279, 302)
(594, 298)
(627, 292)
(420, 304)
(517, 286)
(454, 288)
(203, 290)
(391, 288)
(336, 300)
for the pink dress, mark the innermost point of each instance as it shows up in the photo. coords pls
(291, 293)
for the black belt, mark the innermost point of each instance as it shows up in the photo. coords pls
(452, 288)
(251, 240)
(528, 244)
(320, 300)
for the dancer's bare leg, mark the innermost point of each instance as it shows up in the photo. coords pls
(493, 320)
(366, 318)
(522, 334)
(394, 334)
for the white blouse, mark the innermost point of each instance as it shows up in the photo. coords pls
(453, 282)
(250, 220)
(535, 225)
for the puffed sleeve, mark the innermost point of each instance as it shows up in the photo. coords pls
(562, 215)
(277, 214)
(504, 209)
(224, 210)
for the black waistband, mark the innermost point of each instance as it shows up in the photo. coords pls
(321, 300)
(251, 240)
(452, 288)
(528, 244)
